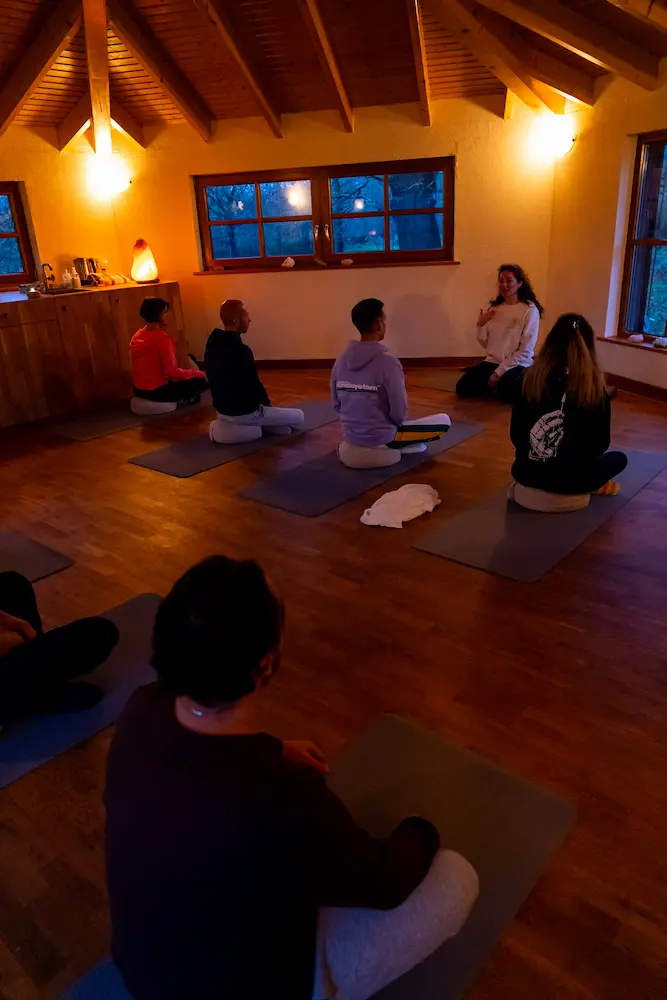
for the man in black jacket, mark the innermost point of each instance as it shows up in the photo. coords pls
(244, 408)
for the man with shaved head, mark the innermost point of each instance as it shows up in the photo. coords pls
(243, 405)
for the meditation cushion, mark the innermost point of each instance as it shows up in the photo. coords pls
(354, 457)
(549, 503)
(223, 432)
(148, 407)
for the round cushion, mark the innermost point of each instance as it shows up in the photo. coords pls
(225, 432)
(146, 407)
(354, 457)
(550, 503)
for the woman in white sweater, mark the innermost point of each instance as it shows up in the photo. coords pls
(507, 330)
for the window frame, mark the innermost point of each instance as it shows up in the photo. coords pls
(323, 256)
(8, 281)
(643, 140)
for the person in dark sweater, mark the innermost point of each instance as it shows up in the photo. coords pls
(243, 405)
(223, 842)
(562, 424)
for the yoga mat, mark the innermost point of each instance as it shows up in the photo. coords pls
(506, 827)
(30, 742)
(103, 982)
(424, 379)
(199, 454)
(90, 426)
(500, 537)
(324, 483)
(31, 558)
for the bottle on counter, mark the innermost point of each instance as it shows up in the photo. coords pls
(75, 279)
(67, 279)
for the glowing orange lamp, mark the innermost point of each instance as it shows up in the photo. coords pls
(144, 268)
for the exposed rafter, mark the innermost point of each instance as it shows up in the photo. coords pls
(79, 121)
(97, 56)
(651, 12)
(218, 15)
(419, 55)
(36, 59)
(465, 19)
(313, 18)
(547, 71)
(153, 57)
(124, 122)
(595, 42)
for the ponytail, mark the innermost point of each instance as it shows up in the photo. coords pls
(569, 351)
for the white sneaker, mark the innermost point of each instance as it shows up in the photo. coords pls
(413, 449)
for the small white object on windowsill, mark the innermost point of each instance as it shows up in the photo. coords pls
(347, 261)
(636, 338)
(660, 342)
(288, 262)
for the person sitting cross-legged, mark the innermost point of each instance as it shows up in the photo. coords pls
(156, 374)
(561, 425)
(242, 403)
(230, 863)
(368, 391)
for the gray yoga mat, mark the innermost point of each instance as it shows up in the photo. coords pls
(199, 454)
(424, 379)
(27, 744)
(500, 537)
(28, 557)
(507, 827)
(90, 426)
(324, 483)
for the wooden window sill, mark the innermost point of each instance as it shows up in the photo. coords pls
(302, 268)
(624, 342)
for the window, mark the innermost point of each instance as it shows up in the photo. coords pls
(644, 302)
(16, 260)
(370, 213)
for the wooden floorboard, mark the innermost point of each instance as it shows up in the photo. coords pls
(563, 681)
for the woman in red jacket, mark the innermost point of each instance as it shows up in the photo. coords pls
(155, 370)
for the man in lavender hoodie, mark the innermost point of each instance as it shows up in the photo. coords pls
(368, 391)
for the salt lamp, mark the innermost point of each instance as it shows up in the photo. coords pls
(144, 268)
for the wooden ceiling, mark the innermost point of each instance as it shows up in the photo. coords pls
(205, 60)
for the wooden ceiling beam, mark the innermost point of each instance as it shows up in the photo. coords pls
(419, 56)
(218, 15)
(140, 41)
(79, 121)
(126, 123)
(75, 124)
(651, 12)
(325, 52)
(593, 41)
(97, 57)
(36, 59)
(464, 19)
(556, 80)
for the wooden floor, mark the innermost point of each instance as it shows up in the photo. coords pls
(563, 681)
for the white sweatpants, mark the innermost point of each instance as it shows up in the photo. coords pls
(251, 426)
(359, 952)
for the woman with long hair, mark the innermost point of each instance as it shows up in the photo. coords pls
(507, 330)
(561, 425)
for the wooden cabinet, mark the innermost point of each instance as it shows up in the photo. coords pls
(67, 352)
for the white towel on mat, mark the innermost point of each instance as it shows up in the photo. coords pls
(392, 509)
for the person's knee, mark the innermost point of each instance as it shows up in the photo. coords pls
(464, 388)
(621, 461)
(12, 582)
(98, 636)
(460, 884)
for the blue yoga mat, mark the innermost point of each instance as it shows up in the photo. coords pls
(30, 558)
(31, 742)
(199, 454)
(320, 485)
(101, 983)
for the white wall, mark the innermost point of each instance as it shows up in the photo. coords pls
(502, 206)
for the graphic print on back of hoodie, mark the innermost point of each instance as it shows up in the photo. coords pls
(546, 435)
(368, 391)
